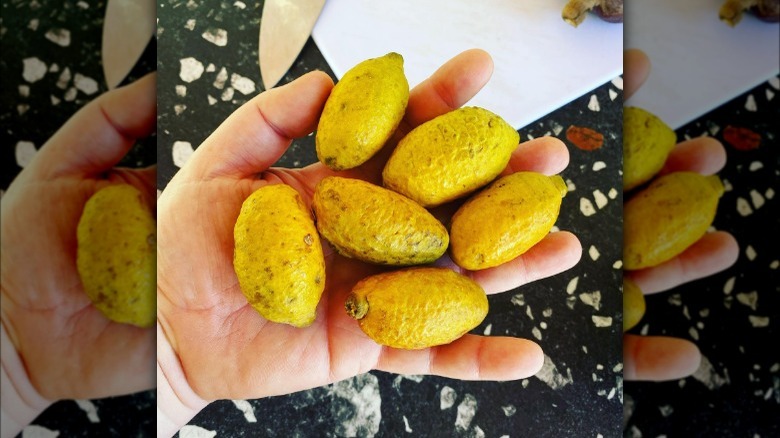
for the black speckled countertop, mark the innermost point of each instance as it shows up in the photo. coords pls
(732, 316)
(574, 316)
(50, 67)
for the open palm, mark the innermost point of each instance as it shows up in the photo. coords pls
(223, 346)
(69, 349)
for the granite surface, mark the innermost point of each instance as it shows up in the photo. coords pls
(207, 63)
(732, 316)
(50, 67)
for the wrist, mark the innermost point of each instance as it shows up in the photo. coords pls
(177, 403)
(21, 402)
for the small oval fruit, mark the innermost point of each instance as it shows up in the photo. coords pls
(362, 112)
(667, 217)
(633, 304)
(278, 256)
(417, 307)
(376, 225)
(647, 142)
(450, 156)
(505, 220)
(116, 256)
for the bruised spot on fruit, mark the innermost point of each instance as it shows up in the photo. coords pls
(356, 307)
(585, 138)
(308, 240)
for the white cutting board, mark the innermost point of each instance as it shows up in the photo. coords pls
(541, 63)
(698, 62)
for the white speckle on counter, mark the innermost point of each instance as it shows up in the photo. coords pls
(179, 108)
(757, 199)
(570, 185)
(509, 410)
(216, 36)
(182, 150)
(547, 312)
(727, 187)
(24, 90)
(600, 199)
(750, 253)
(758, 321)
(755, 165)
(729, 285)
(593, 104)
(219, 81)
(537, 333)
(550, 375)
(592, 299)
(775, 264)
(775, 367)
(246, 408)
(769, 94)
(686, 313)
(181, 90)
(770, 193)
(211, 68)
(70, 95)
(612, 193)
(86, 84)
(518, 300)
(598, 165)
(543, 325)
(666, 410)
(33, 24)
(55, 100)
(611, 394)
(358, 413)
(618, 83)
(571, 301)
(557, 128)
(617, 368)
(467, 409)
(572, 286)
(401, 377)
(618, 264)
(529, 313)
(775, 82)
(601, 321)
(239, 4)
(22, 108)
(447, 397)
(34, 69)
(743, 207)
(478, 432)
(64, 79)
(645, 329)
(35, 431)
(212, 100)
(593, 253)
(227, 94)
(244, 85)
(693, 333)
(24, 152)
(190, 24)
(406, 425)
(524, 383)
(586, 207)
(58, 36)
(706, 374)
(190, 431)
(488, 329)
(91, 410)
(190, 69)
(82, 4)
(612, 94)
(675, 300)
(750, 103)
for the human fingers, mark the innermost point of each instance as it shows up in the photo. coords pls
(704, 155)
(658, 358)
(259, 132)
(709, 255)
(101, 133)
(636, 68)
(471, 357)
(547, 155)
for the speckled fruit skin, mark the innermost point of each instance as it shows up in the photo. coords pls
(278, 256)
(505, 220)
(116, 256)
(362, 112)
(450, 156)
(417, 307)
(376, 225)
(633, 304)
(647, 142)
(667, 217)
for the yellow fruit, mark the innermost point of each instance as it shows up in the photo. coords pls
(633, 304)
(667, 217)
(362, 112)
(375, 225)
(417, 307)
(450, 156)
(647, 141)
(117, 255)
(505, 220)
(278, 256)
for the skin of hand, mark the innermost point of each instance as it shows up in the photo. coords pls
(660, 358)
(65, 346)
(213, 345)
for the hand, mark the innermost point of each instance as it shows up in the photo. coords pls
(208, 331)
(660, 358)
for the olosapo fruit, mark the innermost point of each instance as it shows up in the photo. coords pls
(362, 112)
(647, 142)
(667, 217)
(450, 156)
(505, 220)
(417, 308)
(278, 256)
(633, 304)
(765, 10)
(608, 10)
(376, 225)
(116, 256)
